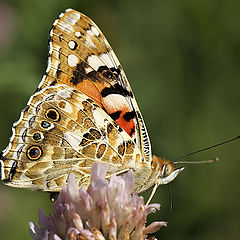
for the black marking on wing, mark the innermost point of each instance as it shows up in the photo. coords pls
(26, 108)
(88, 136)
(94, 76)
(55, 81)
(115, 115)
(90, 100)
(11, 173)
(50, 39)
(105, 71)
(129, 115)
(60, 37)
(132, 131)
(75, 46)
(144, 136)
(24, 135)
(37, 90)
(59, 71)
(2, 157)
(31, 121)
(120, 129)
(116, 89)
(116, 72)
(19, 151)
(109, 73)
(78, 74)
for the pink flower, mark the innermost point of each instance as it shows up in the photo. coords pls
(106, 210)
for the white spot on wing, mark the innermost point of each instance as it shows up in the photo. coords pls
(61, 15)
(49, 58)
(106, 58)
(43, 80)
(95, 31)
(89, 42)
(73, 139)
(72, 60)
(89, 32)
(67, 10)
(65, 27)
(56, 21)
(78, 34)
(73, 18)
(54, 64)
(95, 62)
(6, 150)
(115, 102)
(99, 117)
(56, 50)
(67, 107)
(88, 70)
(2, 170)
(64, 93)
(72, 44)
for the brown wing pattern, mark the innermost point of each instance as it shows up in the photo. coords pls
(63, 131)
(81, 57)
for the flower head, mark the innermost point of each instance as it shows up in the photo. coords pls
(106, 210)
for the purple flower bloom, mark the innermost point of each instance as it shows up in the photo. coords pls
(106, 210)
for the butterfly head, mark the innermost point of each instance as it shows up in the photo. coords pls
(166, 170)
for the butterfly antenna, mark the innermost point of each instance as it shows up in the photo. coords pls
(204, 149)
(198, 162)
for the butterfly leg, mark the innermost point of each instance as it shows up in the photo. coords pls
(118, 173)
(152, 193)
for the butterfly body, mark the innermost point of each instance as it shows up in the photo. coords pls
(83, 112)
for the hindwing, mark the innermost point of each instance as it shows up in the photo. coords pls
(61, 131)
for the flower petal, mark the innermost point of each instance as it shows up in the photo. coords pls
(98, 171)
(154, 227)
(72, 187)
(106, 210)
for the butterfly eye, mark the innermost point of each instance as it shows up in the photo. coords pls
(168, 170)
(52, 114)
(34, 153)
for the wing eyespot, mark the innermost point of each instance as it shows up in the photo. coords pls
(45, 124)
(34, 153)
(53, 115)
(38, 136)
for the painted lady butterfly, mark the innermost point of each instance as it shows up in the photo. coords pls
(83, 112)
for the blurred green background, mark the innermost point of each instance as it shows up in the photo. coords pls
(182, 59)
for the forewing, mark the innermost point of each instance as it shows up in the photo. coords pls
(81, 57)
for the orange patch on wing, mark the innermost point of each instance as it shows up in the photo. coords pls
(111, 103)
(128, 127)
(90, 89)
(114, 103)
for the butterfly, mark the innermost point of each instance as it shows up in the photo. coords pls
(82, 112)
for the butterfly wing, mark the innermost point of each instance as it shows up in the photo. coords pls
(81, 57)
(61, 131)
